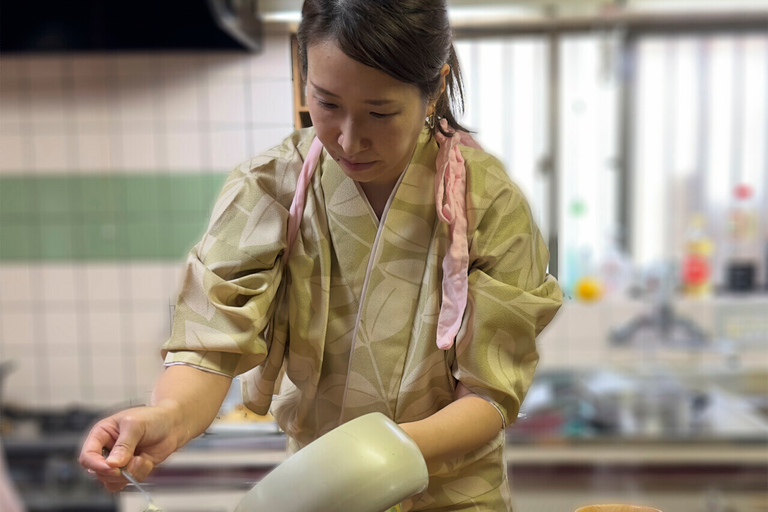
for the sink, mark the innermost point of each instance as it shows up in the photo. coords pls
(653, 404)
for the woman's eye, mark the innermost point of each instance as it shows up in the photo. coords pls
(379, 115)
(325, 104)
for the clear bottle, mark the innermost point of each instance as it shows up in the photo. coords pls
(696, 268)
(744, 251)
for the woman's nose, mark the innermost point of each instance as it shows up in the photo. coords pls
(352, 139)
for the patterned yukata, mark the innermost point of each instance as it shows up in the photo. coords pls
(350, 320)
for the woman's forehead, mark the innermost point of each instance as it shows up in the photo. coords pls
(333, 72)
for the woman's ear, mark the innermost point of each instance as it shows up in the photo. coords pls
(443, 73)
(432, 104)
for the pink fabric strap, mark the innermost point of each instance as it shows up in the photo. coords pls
(451, 204)
(297, 205)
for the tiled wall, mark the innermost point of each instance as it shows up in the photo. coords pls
(108, 167)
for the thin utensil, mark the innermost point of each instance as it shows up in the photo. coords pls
(151, 507)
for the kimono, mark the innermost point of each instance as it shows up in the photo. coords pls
(347, 324)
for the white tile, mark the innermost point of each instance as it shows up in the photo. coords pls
(91, 100)
(184, 64)
(138, 152)
(20, 385)
(58, 282)
(105, 333)
(263, 139)
(227, 68)
(108, 397)
(103, 282)
(13, 155)
(108, 370)
(65, 396)
(10, 104)
(50, 153)
(17, 329)
(226, 104)
(182, 101)
(184, 152)
(228, 149)
(272, 102)
(176, 280)
(150, 329)
(47, 105)
(149, 368)
(62, 335)
(136, 101)
(64, 371)
(147, 283)
(275, 59)
(94, 152)
(15, 350)
(15, 284)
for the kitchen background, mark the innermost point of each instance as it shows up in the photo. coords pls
(638, 131)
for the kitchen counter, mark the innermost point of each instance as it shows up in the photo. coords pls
(257, 454)
(213, 472)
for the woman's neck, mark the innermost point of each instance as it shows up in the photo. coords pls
(378, 195)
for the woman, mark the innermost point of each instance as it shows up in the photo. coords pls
(386, 302)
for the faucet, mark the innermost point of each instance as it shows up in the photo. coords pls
(662, 319)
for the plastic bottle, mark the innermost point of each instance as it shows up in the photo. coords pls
(741, 265)
(615, 267)
(696, 267)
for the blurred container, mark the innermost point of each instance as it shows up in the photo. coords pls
(617, 508)
(742, 263)
(697, 262)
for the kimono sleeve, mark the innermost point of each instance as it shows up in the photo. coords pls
(232, 275)
(510, 299)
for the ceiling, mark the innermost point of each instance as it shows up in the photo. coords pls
(474, 12)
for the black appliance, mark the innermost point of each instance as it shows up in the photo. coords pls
(136, 25)
(44, 467)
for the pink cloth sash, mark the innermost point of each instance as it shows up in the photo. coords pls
(300, 198)
(450, 202)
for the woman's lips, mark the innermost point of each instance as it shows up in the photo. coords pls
(352, 166)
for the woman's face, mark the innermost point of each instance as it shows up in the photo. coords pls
(368, 121)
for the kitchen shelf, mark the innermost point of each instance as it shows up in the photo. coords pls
(301, 117)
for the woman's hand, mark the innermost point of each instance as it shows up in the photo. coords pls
(137, 439)
(184, 404)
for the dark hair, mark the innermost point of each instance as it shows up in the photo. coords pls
(409, 40)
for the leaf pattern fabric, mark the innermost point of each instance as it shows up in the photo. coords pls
(348, 325)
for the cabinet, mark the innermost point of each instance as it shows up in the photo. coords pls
(301, 117)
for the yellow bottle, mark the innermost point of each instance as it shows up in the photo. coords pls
(697, 260)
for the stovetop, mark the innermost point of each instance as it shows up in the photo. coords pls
(42, 448)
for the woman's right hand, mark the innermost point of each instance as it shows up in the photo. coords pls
(137, 439)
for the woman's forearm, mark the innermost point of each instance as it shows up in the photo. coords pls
(467, 423)
(192, 396)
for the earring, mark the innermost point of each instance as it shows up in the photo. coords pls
(430, 121)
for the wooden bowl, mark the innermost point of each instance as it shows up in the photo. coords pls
(617, 508)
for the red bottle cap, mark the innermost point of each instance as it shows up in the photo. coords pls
(742, 191)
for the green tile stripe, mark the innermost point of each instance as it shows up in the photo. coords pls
(104, 217)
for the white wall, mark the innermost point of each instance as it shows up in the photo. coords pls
(89, 333)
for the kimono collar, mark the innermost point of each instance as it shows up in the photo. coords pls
(450, 202)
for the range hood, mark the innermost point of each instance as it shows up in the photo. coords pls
(129, 25)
